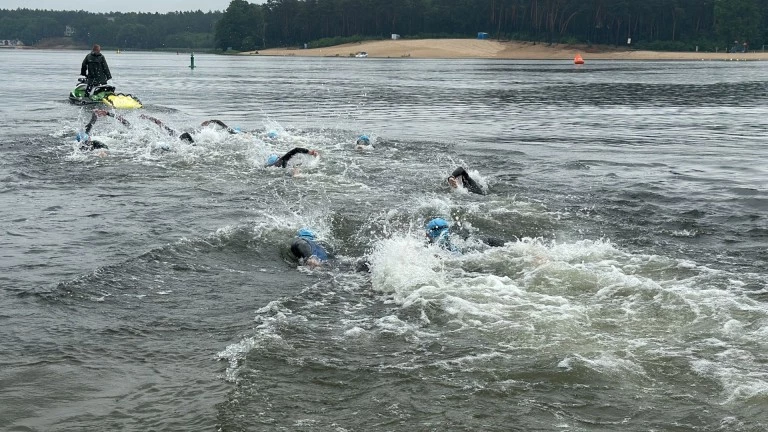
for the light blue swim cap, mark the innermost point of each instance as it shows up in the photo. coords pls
(306, 233)
(81, 136)
(437, 227)
(363, 138)
(272, 159)
(236, 129)
(272, 134)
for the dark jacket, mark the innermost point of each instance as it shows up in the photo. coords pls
(96, 67)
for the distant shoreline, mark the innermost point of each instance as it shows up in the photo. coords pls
(492, 49)
(458, 49)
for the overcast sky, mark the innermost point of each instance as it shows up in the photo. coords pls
(121, 5)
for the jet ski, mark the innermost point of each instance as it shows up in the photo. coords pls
(102, 94)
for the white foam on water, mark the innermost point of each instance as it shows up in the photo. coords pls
(587, 302)
(233, 354)
(739, 375)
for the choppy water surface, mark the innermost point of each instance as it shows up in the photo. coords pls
(149, 289)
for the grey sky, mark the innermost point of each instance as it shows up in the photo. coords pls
(161, 6)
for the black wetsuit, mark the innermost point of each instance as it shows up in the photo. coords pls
(184, 136)
(282, 161)
(220, 124)
(466, 180)
(92, 145)
(303, 248)
(102, 113)
(89, 144)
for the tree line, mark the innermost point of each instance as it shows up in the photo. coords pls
(648, 24)
(652, 24)
(115, 30)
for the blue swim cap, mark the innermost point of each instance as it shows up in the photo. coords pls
(437, 227)
(236, 129)
(81, 136)
(271, 134)
(272, 159)
(363, 138)
(306, 233)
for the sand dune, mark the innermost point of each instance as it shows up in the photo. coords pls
(491, 49)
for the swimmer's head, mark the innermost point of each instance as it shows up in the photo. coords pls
(436, 228)
(306, 233)
(81, 137)
(272, 159)
(272, 134)
(363, 140)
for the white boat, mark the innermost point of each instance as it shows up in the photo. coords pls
(361, 54)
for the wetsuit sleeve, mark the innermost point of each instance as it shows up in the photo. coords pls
(101, 113)
(84, 67)
(90, 124)
(216, 122)
(473, 187)
(220, 124)
(121, 119)
(459, 172)
(470, 184)
(93, 145)
(159, 123)
(283, 161)
(106, 68)
(301, 249)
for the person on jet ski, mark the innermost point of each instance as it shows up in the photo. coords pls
(95, 69)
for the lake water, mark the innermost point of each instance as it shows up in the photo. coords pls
(149, 288)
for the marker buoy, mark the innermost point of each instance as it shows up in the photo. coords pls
(578, 59)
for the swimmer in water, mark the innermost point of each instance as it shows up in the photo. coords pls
(84, 138)
(308, 250)
(363, 143)
(281, 162)
(459, 178)
(437, 231)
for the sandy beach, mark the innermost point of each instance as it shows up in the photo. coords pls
(492, 49)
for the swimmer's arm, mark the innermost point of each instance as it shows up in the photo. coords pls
(220, 124)
(94, 118)
(460, 172)
(286, 157)
(103, 113)
(159, 123)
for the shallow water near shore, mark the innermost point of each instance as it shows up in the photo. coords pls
(149, 289)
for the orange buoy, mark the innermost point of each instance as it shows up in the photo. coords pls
(578, 59)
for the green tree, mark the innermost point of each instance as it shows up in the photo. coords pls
(738, 20)
(241, 27)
